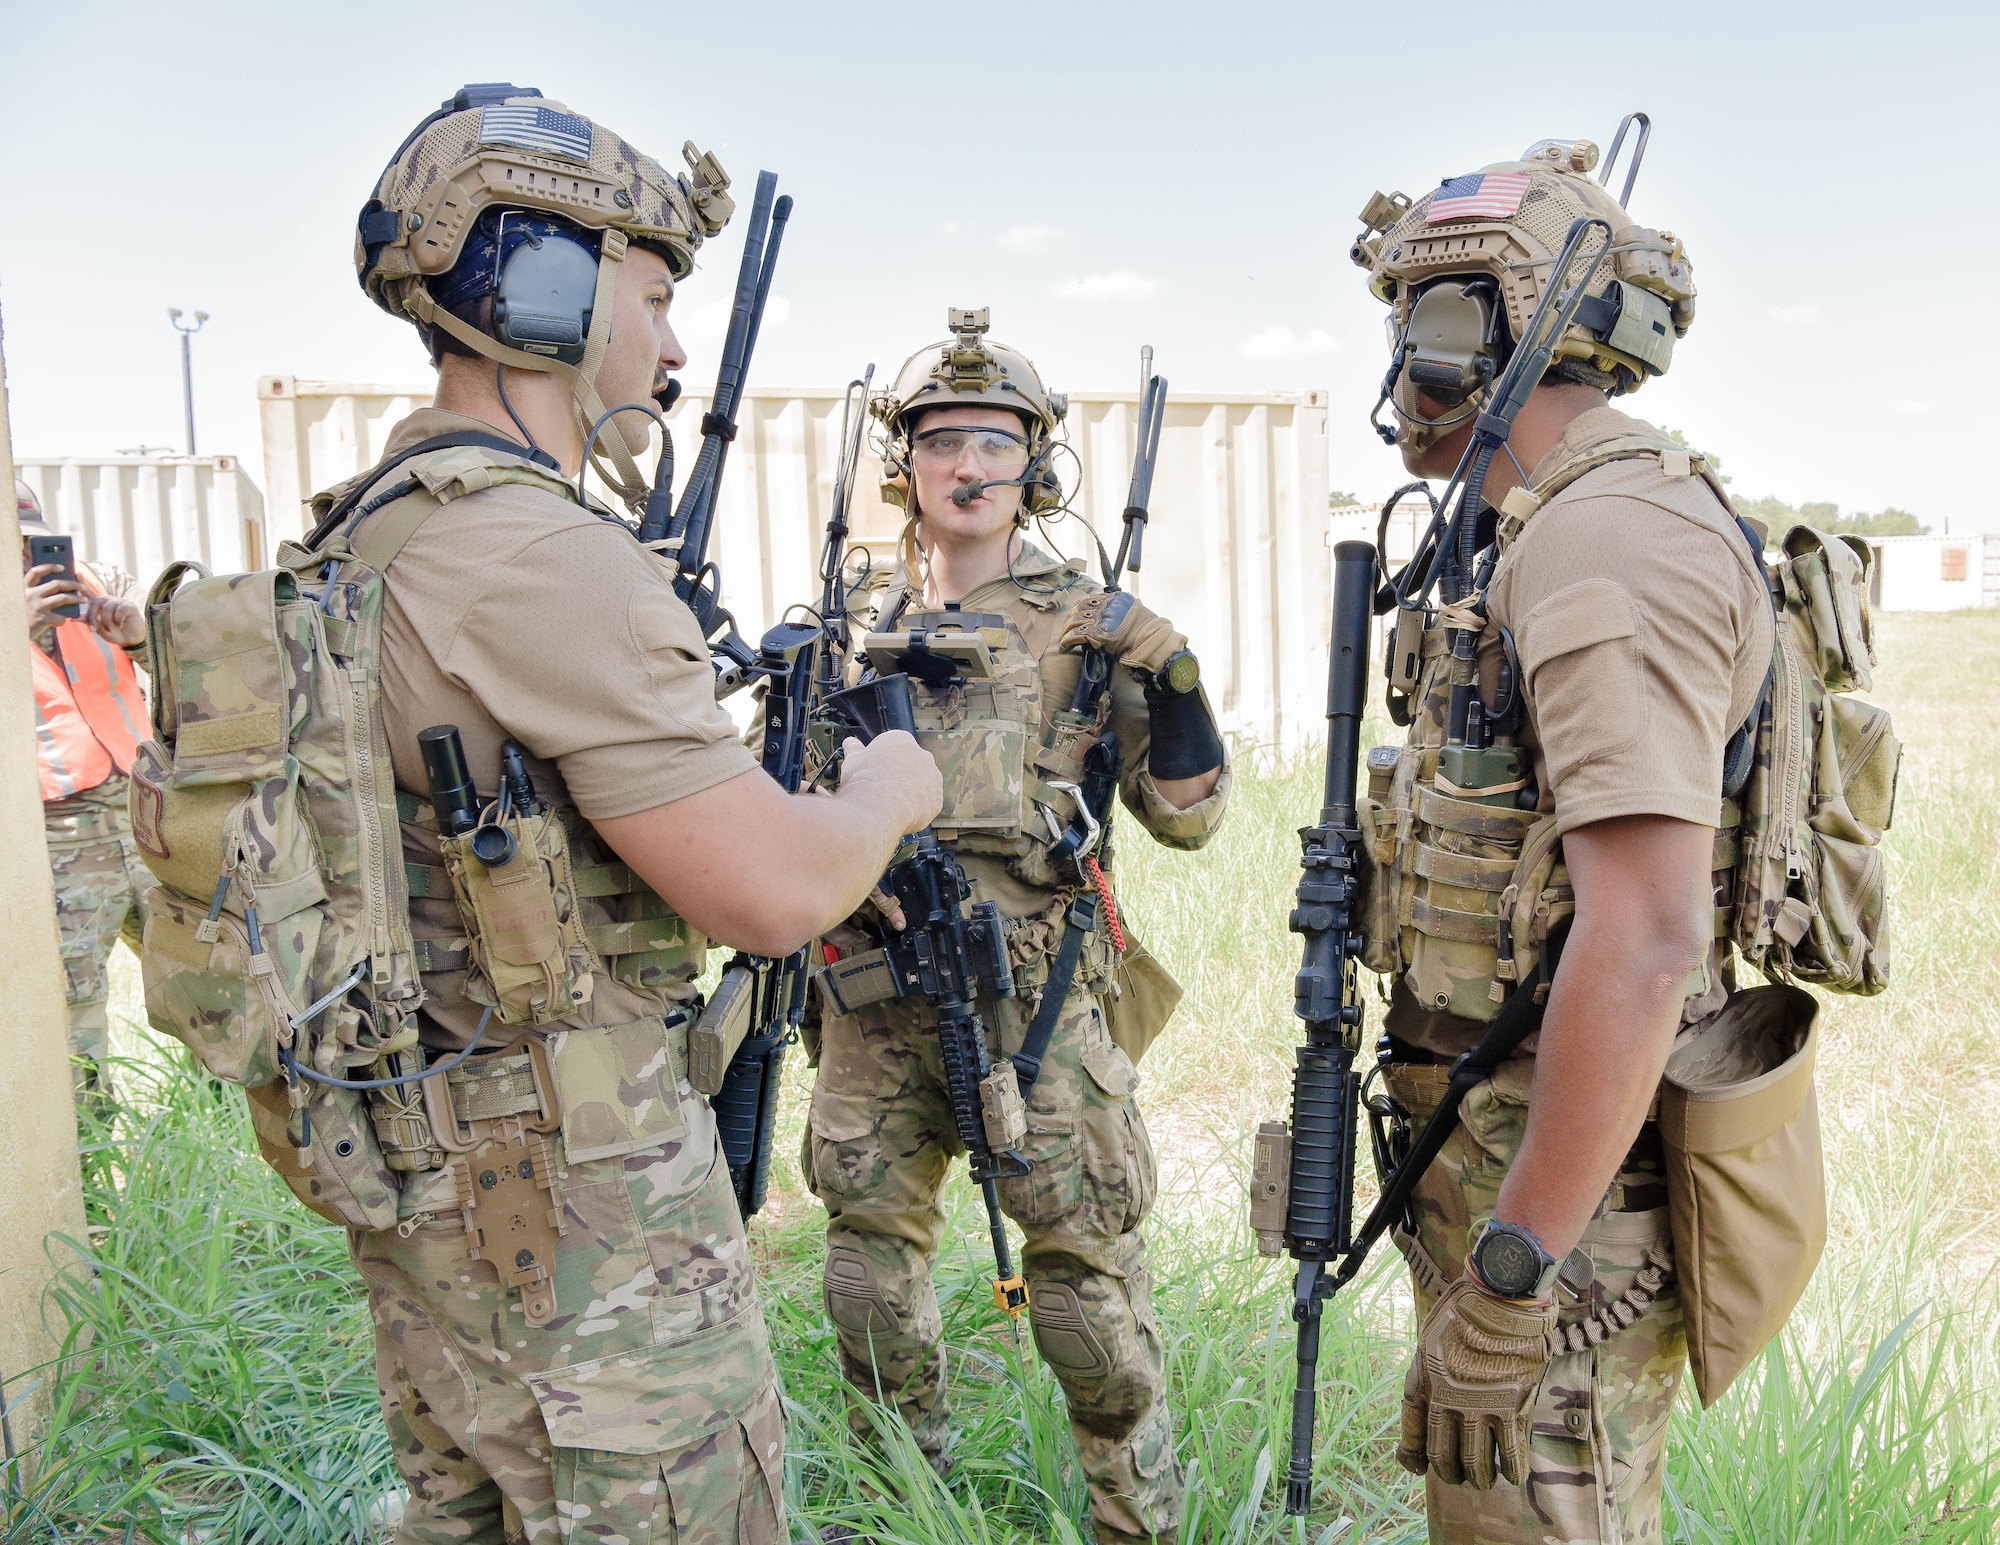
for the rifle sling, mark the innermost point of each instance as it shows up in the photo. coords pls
(1082, 920)
(1519, 1017)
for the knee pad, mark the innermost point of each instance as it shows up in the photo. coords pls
(855, 1300)
(1067, 1342)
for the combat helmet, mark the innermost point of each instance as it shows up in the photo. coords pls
(969, 369)
(1463, 268)
(496, 149)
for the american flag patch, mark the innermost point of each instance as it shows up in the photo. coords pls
(1475, 196)
(542, 130)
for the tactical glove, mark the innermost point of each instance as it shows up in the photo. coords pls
(1467, 1399)
(1115, 621)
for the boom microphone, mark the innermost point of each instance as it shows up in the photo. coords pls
(965, 493)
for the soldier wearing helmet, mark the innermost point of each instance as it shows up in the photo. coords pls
(1031, 768)
(537, 253)
(1622, 635)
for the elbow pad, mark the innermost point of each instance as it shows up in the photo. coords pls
(1185, 741)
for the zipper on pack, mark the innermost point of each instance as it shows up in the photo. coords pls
(1786, 756)
(1856, 755)
(361, 757)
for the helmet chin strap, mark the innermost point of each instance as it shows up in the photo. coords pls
(622, 475)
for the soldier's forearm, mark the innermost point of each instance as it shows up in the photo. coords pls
(1613, 1011)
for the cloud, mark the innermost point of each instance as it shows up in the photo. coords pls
(1793, 316)
(1906, 405)
(1029, 238)
(950, 227)
(1116, 287)
(1283, 343)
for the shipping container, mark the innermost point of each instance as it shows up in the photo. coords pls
(1238, 553)
(1935, 573)
(139, 513)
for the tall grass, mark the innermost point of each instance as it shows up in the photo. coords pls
(216, 1384)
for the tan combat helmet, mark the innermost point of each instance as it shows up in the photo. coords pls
(500, 146)
(1501, 229)
(970, 370)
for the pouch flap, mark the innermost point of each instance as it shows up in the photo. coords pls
(1111, 1070)
(618, 1087)
(1743, 1075)
(657, 1399)
(229, 671)
(842, 1118)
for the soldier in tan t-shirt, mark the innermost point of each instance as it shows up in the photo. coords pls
(634, 1389)
(1620, 606)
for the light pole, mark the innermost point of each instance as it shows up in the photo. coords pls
(187, 366)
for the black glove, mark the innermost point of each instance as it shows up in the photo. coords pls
(1185, 741)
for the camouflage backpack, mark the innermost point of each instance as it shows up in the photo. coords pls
(1811, 899)
(278, 940)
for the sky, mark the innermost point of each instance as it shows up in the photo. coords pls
(1102, 175)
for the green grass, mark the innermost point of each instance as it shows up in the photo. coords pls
(216, 1380)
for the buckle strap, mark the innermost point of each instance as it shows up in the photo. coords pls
(1035, 1046)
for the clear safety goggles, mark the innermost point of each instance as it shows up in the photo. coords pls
(991, 447)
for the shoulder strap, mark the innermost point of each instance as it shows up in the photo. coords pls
(344, 506)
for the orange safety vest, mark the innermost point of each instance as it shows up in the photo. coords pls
(89, 711)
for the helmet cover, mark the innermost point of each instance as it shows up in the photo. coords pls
(527, 153)
(1508, 223)
(968, 370)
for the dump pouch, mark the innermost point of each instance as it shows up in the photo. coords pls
(1745, 1186)
(341, 1174)
(1142, 999)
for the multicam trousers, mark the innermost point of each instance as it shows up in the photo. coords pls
(1598, 1445)
(100, 884)
(880, 1144)
(646, 1411)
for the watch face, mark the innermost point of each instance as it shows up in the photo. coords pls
(1509, 1264)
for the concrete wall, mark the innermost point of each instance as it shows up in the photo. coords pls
(41, 1192)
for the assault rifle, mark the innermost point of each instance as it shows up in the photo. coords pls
(737, 1051)
(952, 954)
(684, 529)
(1302, 1187)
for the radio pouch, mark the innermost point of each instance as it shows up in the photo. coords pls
(530, 959)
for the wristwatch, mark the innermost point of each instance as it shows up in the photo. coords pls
(1512, 1263)
(1176, 676)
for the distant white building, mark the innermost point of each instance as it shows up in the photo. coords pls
(1935, 573)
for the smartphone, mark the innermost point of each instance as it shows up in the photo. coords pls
(60, 550)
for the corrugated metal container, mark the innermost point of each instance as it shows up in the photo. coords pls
(1935, 573)
(142, 512)
(1238, 552)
